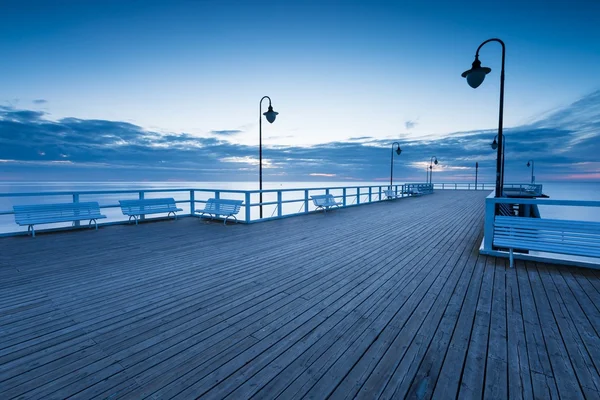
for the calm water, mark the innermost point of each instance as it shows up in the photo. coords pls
(562, 191)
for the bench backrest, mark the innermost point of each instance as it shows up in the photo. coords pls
(548, 235)
(323, 199)
(59, 211)
(145, 205)
(223, 206)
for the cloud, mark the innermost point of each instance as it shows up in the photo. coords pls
(564, 143)
(39, 101)
(230, 132)
(322, 174)
(410, 124)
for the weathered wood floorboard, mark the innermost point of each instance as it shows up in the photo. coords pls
(380, 301)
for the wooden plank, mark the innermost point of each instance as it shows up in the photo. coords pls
(496, 376)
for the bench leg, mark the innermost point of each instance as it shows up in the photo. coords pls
(510, 252)
(30, 228)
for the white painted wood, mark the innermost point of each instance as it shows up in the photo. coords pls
(31, 215)
(136, 209)
(226, 207)
(579, 238)
(324, 201)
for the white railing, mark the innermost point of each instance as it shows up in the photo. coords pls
(544, 205)
(277, 203)
(464, 186)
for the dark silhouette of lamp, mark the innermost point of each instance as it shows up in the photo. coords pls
(398, 151)
(475, 77)
(432, 161)
(270, 115)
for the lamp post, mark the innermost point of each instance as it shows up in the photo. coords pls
(532, 175)
(432, 160)
(475, 77)
(398, 151)
(270, 116)
(495, 147)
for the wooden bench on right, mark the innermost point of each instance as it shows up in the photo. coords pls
(578, 238)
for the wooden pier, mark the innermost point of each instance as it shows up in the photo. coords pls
(386, 300)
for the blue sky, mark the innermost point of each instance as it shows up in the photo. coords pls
(170, 89)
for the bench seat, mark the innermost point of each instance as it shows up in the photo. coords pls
(36, 214)
(391, 194)
(227, 207)
(578, 238)
(136, 208)
(324, 201)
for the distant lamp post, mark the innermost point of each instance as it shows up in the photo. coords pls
(432, 161)
(530, 163)
(475, 77)
(398, 151)
(270, 115)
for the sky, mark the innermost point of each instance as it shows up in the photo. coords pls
(170, 90)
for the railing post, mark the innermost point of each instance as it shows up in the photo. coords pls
(469, 188)
(344, 197)
(380, 193)
(192, 202)
(279, 205)
(141, 197)
(370, 194)
(488, 228)
(306, 200)
(76, 200)
(247, 205)
(455, 186)
(443, 184)
(357, 195)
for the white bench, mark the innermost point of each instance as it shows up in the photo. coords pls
(325, 201)
(136, 208)
(578, 238)
(54, 213)
(226, 207)
(391, 194)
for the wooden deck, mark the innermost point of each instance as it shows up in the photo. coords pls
(386, 300)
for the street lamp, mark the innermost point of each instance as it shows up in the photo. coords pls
(431, 162)
(270, 115)
(398, 151)
(532, 175)
(495, 147)
(475, 77)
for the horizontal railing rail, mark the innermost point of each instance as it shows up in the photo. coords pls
(277, 203)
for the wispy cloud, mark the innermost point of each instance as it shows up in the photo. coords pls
(410, 124)
(564, 143)
(226, 132)
(39, 101)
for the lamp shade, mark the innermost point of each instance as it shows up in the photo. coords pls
(528, 164)
(270, 115)
(476, 74)
(436, 162)
(398, 150)
(494, 144)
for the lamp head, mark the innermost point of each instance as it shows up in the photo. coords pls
(436, 162)
(528, 164)
(494, 144)
(398, 150)
(270, 114)
(476, 74)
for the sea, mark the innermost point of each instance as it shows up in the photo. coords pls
(9, 196)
